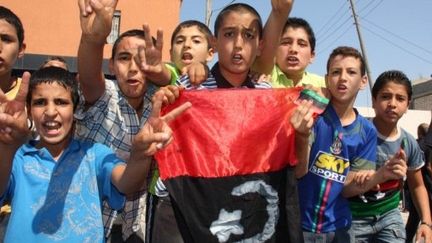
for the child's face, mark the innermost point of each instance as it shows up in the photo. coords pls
(238, 42)
(130, 79)
(189, 45)
(294, 53)
(391, 103)
(9, 47)
(51, 109)
(344, 79)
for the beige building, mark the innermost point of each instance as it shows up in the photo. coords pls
(52, 28)
(422, 95)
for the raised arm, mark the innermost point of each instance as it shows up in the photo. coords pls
(13, 129)
(150, 58)
(95, 18)
(155, 135)
(271, 35)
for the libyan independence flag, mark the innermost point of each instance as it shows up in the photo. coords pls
(229, 169)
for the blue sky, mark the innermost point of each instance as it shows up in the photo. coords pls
(397, 34)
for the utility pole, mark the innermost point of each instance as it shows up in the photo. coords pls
(363, 49)
(208, 12)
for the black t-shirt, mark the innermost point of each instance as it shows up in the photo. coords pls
(426, 146)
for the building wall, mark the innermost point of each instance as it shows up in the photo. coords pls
(422, 95)
(53, 28)
(410, 121)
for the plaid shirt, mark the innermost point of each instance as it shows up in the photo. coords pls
(113, 122)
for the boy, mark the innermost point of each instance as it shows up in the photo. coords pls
(50, 178)
(340, 143)
(114, 111)
(190, 45)
(295, 52)
(376, 215)
(12, 48)
(238, 40)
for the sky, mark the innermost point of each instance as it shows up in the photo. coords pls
(397, 34)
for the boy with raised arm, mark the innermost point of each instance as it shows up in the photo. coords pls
(113, 111)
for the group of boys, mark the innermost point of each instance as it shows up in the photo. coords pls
(114, 112)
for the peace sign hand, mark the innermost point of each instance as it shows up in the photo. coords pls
(13, 117)
(156, 134)
(96, 17)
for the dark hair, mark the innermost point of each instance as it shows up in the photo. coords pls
(190, 23)
(296, 23)
(130, 33)
(54, 75)
(54, 58)
(13, 19)
(394, 76)
(237, 7)
(347, 51)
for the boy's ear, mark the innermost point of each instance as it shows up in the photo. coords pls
(22, 50)
(260, 47)
(213, 44)
(210, 54)
(312, 59)
(364, 82)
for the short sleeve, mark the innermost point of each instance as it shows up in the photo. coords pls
(106, 161)
(415, 157)
(366, 156)
(173, 71)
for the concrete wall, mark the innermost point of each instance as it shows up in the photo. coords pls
(409, 121)
(52, 27)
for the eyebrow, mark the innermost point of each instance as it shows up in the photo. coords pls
(124, 53)
(194, 36)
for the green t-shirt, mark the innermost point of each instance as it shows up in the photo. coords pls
(280, 80)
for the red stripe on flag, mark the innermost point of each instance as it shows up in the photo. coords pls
(230, 132)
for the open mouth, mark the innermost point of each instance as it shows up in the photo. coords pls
(237, 58)
(187, 56)
(133, 82)
(292, 60)
(51, 127)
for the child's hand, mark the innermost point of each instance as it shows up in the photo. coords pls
(170, 94)
(260, 77)
(282, 6)
(302, 119)
(156, 134)
(324, 92)
(13, 116)
(361, 177)
(149, 58)
(197, 72)
(96, 18)
(396, 167)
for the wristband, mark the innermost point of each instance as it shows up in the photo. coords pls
(428, 225)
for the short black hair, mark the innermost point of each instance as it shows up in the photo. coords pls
(296, 23)
(238, 7)
(347, 51)
(15, 21)
(130, 33)
(54, 75)
(189, 23)
(395, 76)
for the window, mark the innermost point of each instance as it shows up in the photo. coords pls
(115, 28)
